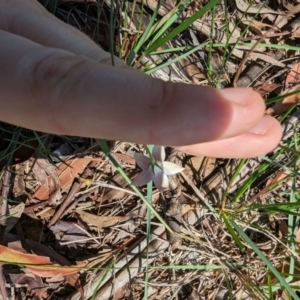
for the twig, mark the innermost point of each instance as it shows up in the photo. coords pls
(2, 284)
(135, 263)
(65, 207)
(173, 203)
(4, 196)
(106, 185)
(3, 212)
(74, 189)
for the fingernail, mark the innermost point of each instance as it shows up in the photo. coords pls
(263, 126)
(239, 95)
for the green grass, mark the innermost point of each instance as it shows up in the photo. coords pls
(162, 32)
(236, 210)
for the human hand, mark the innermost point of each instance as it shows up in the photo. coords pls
(55, 79)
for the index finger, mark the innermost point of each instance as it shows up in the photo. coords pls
(73, 95)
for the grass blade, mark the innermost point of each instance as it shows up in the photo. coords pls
(282, 280)
(184, 25)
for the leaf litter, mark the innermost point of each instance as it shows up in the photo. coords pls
(73, 230)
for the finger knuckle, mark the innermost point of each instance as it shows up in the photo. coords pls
(161, 96)
(55, 74)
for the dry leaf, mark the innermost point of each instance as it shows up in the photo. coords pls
(294, 75)
(34, 283)
(71, 234)
(45, 173)
(15, 213)
(200, 166)
(266, 88)
(193, 71)
(125, 158)
(110, 194)
(99, 221)
(71, 168)
(11, 256)
(19, 183)
(53, 270)
(42, 265)
(73, 280)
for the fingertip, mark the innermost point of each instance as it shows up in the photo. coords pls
(248, 108)
(260, 140)
(242, 96)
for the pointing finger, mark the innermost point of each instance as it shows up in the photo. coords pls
(70, 94)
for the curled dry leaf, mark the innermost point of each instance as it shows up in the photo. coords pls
(38, 265)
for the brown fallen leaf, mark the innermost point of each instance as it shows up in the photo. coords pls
(15, 213)
(34, 283)
(125, 158)
(193, 71)
(200, 165)
(45, 173)
(110, 194)
(73, 280)
(53, 270)
(38, 265)
(71, 168)
(294, 75)
(99, 221)
(71, 234)
(266, 88)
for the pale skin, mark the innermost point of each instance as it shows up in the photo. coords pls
(55, 79)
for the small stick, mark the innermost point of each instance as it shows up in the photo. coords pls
(68, 201)
(71, 195)
(3, 212)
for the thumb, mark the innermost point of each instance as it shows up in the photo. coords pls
(55, 91)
